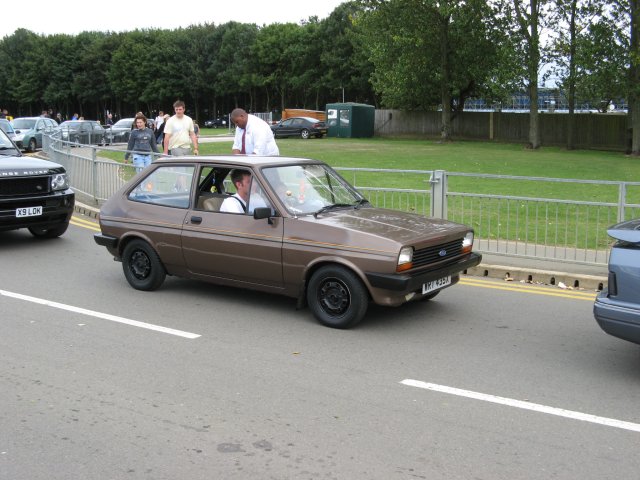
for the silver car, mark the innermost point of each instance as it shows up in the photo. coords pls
(617, 308)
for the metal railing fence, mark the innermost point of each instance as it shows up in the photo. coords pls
(538, 217)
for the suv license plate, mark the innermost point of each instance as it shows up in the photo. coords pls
(436, 284)
(28, 212)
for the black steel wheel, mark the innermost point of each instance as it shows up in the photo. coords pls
(337, 297)
(52, 231)
(33, 145)
(142, 266)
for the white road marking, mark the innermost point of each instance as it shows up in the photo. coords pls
(510, 402)
(104, 316)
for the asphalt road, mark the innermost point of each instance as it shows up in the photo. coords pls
(491, 380)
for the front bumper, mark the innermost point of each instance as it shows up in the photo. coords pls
(617, 320)
(408, 282)
(57, 208)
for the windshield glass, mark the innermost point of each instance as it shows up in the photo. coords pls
(6, 126)
(23, 123)
(124, 123)
(306, 189)
(6, 146)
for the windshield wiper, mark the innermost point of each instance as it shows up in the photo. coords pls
(326, 208)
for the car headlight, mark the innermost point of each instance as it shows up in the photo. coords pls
(59, 181)
(467, 242)
(405, 259)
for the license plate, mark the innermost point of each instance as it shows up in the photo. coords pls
(28, 212)
(436, 284)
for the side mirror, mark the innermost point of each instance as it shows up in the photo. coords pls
(263, 212)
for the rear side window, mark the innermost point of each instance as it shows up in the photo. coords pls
(169, 186)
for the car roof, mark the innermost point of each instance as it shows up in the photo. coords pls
(239, 160)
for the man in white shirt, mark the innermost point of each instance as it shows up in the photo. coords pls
(237, 203)
(159, 120)
(253, 135)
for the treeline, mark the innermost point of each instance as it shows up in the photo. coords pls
(402, 54)
(213, 68)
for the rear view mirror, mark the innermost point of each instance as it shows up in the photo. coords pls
(262, 212)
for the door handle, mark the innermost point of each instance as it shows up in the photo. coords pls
(197, 220)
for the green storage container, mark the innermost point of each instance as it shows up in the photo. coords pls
(350, 120)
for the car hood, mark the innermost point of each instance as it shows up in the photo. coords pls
(27, 166)
(626, 231)
(391, 225)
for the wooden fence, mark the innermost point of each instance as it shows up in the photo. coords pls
(596, 131)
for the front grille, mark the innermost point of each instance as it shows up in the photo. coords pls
(24, 186)
(426, 256)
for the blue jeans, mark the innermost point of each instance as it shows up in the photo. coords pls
(141, 161)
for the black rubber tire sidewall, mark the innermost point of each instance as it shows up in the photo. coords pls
(156, 274)
(357, 293)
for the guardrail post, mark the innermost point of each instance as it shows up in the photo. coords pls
(438, 183)
(622, 200)
(94, 171)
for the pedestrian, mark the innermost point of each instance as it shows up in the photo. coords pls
(160, 130)
(253, 135)
(109, 119)
(159, 121)
(141, 141)
(179, 133)
(75, 116)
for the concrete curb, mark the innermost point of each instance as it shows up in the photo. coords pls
(570, 280)
(87, 210)
(503, 272)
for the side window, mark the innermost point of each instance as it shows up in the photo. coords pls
(287, 123)
(169, 186)
(258, 198)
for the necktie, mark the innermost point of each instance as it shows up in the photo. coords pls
(244, 134)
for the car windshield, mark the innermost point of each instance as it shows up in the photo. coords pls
(311, 189)
(6, 146)
(23, 123)
(124, 123)
(6, 126)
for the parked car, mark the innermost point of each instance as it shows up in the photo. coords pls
(6, 127)
(220, 122)
(306, 233)
(617, 307)
(29, 131)
(85, 132)
(303, 127)
(120, 131)
(34, 193)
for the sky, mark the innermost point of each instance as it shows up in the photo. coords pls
(75, 16)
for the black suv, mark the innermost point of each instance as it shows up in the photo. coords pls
(34, 193)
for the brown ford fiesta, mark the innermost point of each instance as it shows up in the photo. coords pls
(282, 225)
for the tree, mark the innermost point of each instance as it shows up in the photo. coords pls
(523, 17)
(431, 54)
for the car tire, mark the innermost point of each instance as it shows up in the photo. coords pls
(337, 297)
(304, 133)
(32, 145)
(49, 231)
(142, 266)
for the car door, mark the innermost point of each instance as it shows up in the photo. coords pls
(233, 247)
(39, 131)
(286, 128)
